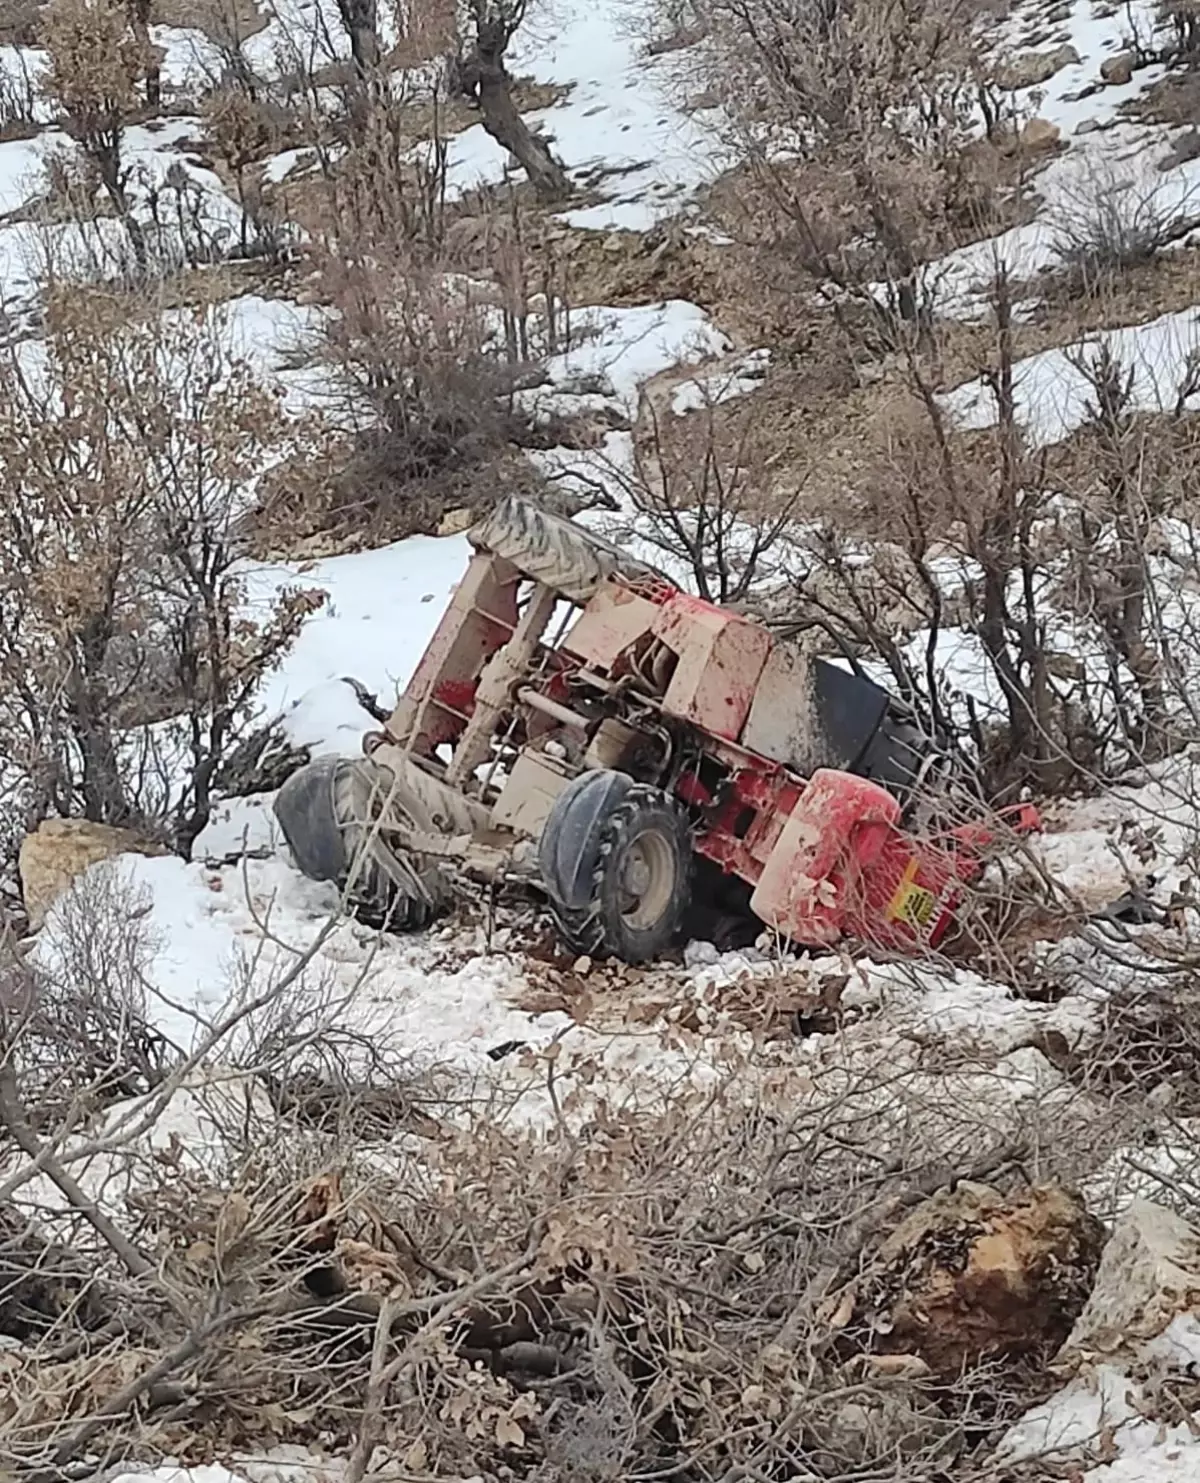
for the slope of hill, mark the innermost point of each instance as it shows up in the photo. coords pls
(713, 1149)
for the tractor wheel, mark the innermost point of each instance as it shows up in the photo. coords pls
(335, 815)
(617, 867)
(552, 550)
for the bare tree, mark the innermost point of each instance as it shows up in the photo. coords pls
(96, 65)
(857, 118)
(487, 29)
(131, 441)
(703, 493)
(140, 13)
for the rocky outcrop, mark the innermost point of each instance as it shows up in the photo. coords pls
(1148, 1275)
(1031, 68)
(1117, 71)
(1039, 136)
(59, 850)
(974, 1274)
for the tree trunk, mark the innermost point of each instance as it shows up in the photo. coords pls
(361, 22)
(485, 80)
(507, 127)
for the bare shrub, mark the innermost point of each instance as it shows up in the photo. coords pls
(1043, 579)
(427, 362)
(19, 97)
(1106, 224)
(244, 132)
(672, 1290)
(414, 358)
(857, 131)
(134, 441)
(77, 1025)
(96, 65)
(704, 493)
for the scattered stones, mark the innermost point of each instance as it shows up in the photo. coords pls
(1117, 71)
(1030, 69)
(60, 850)
(972, 1274)
(1149, 1273)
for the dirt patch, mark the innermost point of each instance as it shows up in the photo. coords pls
(1167, 284)
(349, 502)
(487, 237)
(611, 998)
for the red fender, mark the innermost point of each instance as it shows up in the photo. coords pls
(811, 881)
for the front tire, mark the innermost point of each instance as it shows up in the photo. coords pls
(338, 816)
(626, 891)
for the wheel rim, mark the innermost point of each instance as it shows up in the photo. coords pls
(647, 880)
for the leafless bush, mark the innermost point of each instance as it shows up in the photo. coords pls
(133, 440)
(703, 494)
(674, 1290)
(76, 1024)
(418, 377)
(856, 130)
(1042, 577)
(1107, 224)
(19, 113)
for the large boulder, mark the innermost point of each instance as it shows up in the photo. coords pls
(1031, 68)
(59, 850)
(1040, 136)
(1117, 71)
(1149, 1274)
(972, 1274)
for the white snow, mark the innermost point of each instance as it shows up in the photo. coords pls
(614, 352)
(1054, 394)
(382, 608)
(722, 384)
(617, 128)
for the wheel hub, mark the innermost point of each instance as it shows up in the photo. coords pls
(647, 879)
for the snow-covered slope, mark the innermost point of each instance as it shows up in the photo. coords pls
(221, 932)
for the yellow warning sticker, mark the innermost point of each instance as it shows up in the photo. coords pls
(911, 903)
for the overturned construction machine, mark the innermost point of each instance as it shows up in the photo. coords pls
(632, 749)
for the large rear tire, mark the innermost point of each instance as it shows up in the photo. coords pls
(616, 861)
(340, 816)
(554, 551)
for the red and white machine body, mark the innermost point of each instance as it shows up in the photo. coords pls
(702, 702)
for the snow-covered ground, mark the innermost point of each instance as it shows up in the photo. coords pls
(1104, 150)
(228, 928)
(614, 130)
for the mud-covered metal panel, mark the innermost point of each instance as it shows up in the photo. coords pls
(529, 793)
(721, 658)
(440, 696)
(811, 888)
(611, 624)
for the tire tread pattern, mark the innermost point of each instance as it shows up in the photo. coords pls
(587, 932)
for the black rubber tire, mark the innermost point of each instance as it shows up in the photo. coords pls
(553, 550)
(385, 888)
(597, 917)
(327, 812)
